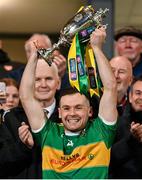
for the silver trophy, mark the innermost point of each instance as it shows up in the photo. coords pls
(84, 22)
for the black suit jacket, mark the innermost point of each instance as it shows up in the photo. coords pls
(126, 152)
(16, 160)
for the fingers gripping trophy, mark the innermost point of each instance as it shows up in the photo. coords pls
(85, 19)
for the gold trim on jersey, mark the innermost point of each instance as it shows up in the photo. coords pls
(91, 155)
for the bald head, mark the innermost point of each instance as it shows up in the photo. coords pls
(43, 68)
(122, 69)
(121, 61)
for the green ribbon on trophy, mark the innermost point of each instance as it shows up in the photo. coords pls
(77, 73)
(83, 71)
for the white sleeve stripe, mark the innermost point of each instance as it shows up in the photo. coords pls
(38, 130)
(107, 122)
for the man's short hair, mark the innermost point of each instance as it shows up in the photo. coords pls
(70, 90)
(135, 79)
(128, 31)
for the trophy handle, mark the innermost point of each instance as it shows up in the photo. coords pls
(46, 54)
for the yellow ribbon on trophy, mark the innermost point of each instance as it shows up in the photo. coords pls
(72, 66)
(95, 84)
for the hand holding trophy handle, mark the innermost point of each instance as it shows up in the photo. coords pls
(84, 18)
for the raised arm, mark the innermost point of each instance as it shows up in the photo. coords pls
(30, 104)
(108, 102)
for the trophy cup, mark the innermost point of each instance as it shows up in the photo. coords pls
(85, 20)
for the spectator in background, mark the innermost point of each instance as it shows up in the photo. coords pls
(6, 64)
(129, 44)
(126, 152)
(122, 69)
(12, 93)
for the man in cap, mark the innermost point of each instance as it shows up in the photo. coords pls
(129, 44)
